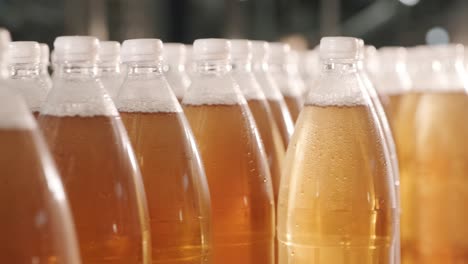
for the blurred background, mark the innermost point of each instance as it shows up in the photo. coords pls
(300, 22)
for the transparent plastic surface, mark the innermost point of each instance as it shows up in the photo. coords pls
(294, 71)
(431, 131)
(44, 65)
(174, 178)
(111, 76)
(27, 79)
(261, 112)
(110, 71)
(5, 39)
(275, 99)
(36, 222)
(388, 142)
(311, 68)
(391, 79)
(337, 196)
(288, 85)
(235, 164)
(175, 73)
(97, 165)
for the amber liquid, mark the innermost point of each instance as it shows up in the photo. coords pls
(33, 220)
(272, 142)
(271, 139)
(336, 203)
(105, 191)
(434, 183)
(175, 185)
(282, 119)
(391, 105)
(240, 185)
(295, 105)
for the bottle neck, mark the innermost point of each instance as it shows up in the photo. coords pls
(22, 70)
(277, 67)
(242, 65)
(109, 68)
(292, 68)
(451, 65)
(144, 68)
(341, 66)
(212, 67)
(260, 66)
(174, 67)
(431, 67)
(44, 69)
(75, 69)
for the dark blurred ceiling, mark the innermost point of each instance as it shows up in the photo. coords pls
(382, 22)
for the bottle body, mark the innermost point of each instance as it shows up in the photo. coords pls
(434, 158)
(37, 225)
(98, 168)
(432, 148)
(383, 124)
(263, 117)
(337, 195)
(290, 88)
(278, 106)
(240, 185)
(235, 165)
(173, 175)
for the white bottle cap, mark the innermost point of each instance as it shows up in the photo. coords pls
(76, 48)
(188, 51)
(241, 49)
(339, 48)
(448, 51)
(211, 49)
(279, 52)
(109, 51)
(394, 53)
(174, 53)
(260, 50)
(134, 50)
(391, 56)
(23, 52)
(361, 49)
(312, 61)
(5, 38)
(45, 52)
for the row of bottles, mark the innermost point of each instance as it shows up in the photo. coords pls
(165, 154)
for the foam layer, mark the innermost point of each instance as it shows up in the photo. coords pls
(179, 82)
(249, 86)
(14, 114)
(34, 91)
(84, 98)
(337, 90)
(147, 93)
(84, 109)
(287, 84)
(268, 86)
(213, 89)
(207, 98)
(148, 106)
